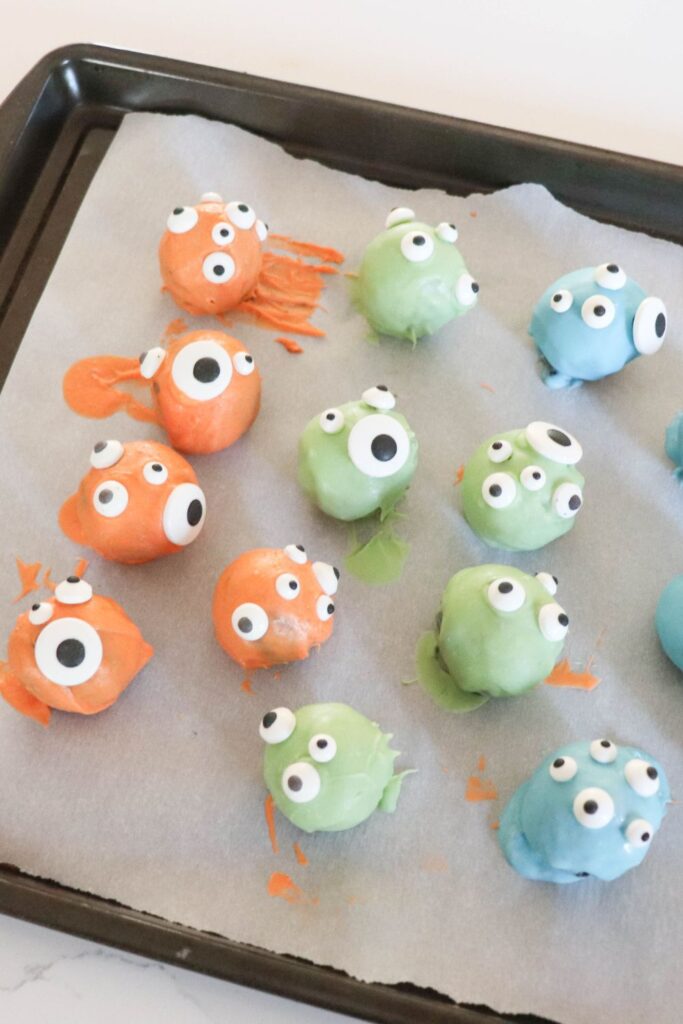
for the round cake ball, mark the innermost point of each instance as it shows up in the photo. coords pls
(592, 322)
(521, 489)
(328, 767)
(591, 810)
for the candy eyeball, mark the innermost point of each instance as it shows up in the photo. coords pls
(297, 553)
(553, 622)
(106, 454)
(73, 590)
(603, 751)
(68, 651)
(332, 421)
(288, 586)
(417, 246)
(593, 807)
(244, 363)
(324, 608)
(642, 777)
(277, 725)
(533, 478)
(399, 215)
(567, 500)
(202, 370)
(561, 301)
(554, 443)
(110, 499)
(241, 215)
(218, 267)
(447, 232)
(498, 490)
(301, 782)
(466, 290)
(548, 581)
(327, 576)
(151, 361)
(250, 621)
(610, 276)
(499, 451)
(40, 613)
(223, 233)
(598, 312)
(379, 397)
(182, 219)
(184, 513)
(506, 595)
(155, 473)
(649, 326)
(563, 769)
(639, 833)
(261, 230)
(322, 748)
(378, 445)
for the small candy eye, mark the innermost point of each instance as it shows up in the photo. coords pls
(40, 613)
(241, 215)
(548, 581)
(183, 516)
(639, 832)
(593, 807)
(399, 215)
(261, 230)
(332, 421)
(222, 233)
(202, 370)
(73, 590)
(642, 777)
(498, 490)
(598, 312)
(297, 552)
(603, 751)
(327, 576)
(110, 499)
(218, 267)
(155, 473)
(151, 361)
(533, 478)
(244, 363)
(610, 276)
(466, 290)
(322, 748)
(301, 782)
(210, 197)
(506, 595)
(416, 246)
(649, 326)
(567, 500)
(378, 445)
(379, 397)
(563, 769)
(68, 652)
(288, 586)
(324, 608)
(250, 621)
(106, 454)
(554, 443)
(553, 622)
(182, 219)
(499, 451)
(561, 300)
(277, 725)
(447, 232)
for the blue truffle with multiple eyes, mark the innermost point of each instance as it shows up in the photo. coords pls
(591, 809)
(592, 322)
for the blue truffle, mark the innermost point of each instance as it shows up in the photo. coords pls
(669, 621)
(673, 444)
(592, 322)
(591, 809)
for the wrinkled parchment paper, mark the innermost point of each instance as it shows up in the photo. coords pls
(158, 802)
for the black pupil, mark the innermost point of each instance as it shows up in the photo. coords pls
(613, 268)
(294, 783)
(245, 625)
(557, 298)
(194, 511)
(101, 445)
(563, 619)
(178, 210)
(590, 806)
(330, 416)
(330, 609)
(219, 269)
(105, 496)
(70, 653)
(419, 240)
(382, 387)
(605, 743)
(505, 588)
(599, 310)
(321, 744)
(300, 547)
(243, 207)
(574, 502)
(558, 762)
(660, 325)
(475, 287)
(495, 490)
(157, 467)
(293, 585)
(224, 232)
(384, 448)
(559, 437)
(268, 719)
(206, 369)
(536, 475)
(645, 836)
(652, 773)
(497, 445)
(73, 579)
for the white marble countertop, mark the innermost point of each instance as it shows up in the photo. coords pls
(609, 75)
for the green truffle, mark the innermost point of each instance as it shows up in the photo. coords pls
(328, 767)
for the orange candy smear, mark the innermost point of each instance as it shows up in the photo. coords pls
(90, 388)
(28, 575)
(564, 676)
(478, 790)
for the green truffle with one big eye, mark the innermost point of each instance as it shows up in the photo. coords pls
(521, 490)
(328, 767)
(500, 633)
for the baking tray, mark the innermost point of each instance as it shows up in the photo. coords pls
(54, 130)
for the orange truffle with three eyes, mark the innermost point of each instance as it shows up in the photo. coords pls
(139, 501)
(74, 652)
(272, 606)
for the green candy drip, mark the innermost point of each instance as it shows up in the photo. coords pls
(380, 559)
(440, 686)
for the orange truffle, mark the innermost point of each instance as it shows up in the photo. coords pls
(74, 652)
(139, 501)
(272, 606)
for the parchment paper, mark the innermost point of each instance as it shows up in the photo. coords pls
(158, 802)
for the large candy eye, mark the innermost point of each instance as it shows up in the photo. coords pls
(447, 232)
(218, 267)
(553, 622)
(250, 621)
(301, 782)
(244, 363)
(567, 500)
(73, 590)
(68, 652)
(533, 478)
(561, 300)
(288, 586)
(327, 576)
(182, 219)
(378, 445)
(241, 215)
(610, 276)
(499, 490)
(563, 769)
(416, 246)
(261, 230)
(222, 233)
(183, 516)
(548, 581)
(649, 326)
(639, 833)
(593, 807)
(506, 595)
(554, 443)
(202, 370)
(324, 608)
(110, 499)
(322, 748)
(151, 361)
(379, 397)
(466, 290)
(297, 552)
(331, 421)
(642, 777)
(499, 451)
(106, 454)
(597, 311)
(603, 751)
(277, 725)
(40, 613)
(155, 473)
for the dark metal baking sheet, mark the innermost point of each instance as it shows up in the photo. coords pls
(54, 130)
